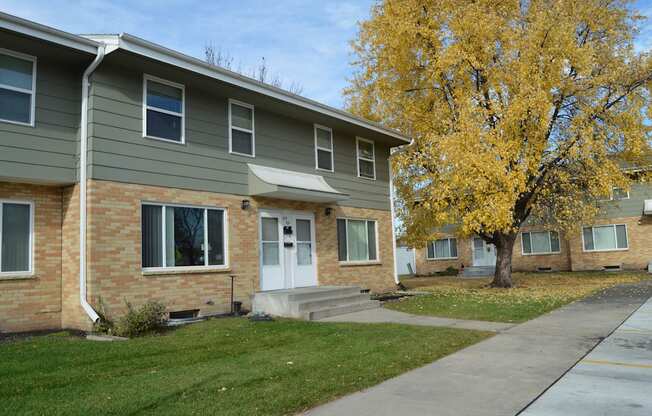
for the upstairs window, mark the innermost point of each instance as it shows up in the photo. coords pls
(17, 87)
(163, 110)
(16, 226)
(445, 248)
(242, 140)
(356, 240)
(540, 242)
(605, 237)
(182, 236)
(366, 158)
(324, 148)
(619, 193)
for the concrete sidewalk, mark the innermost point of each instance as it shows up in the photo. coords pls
(501, 375)
(613, 379)
(376, 316)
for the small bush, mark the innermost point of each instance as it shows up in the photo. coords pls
(104, 324)
(147, 318)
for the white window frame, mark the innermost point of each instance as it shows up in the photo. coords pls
(543, 253)
(355, 262)
(30, 271)
(182, 114)
(449, 249)
(613, 226)
(317, 148)
(32, 92)
(359, 157)
(252, 131)
(613, 193)
(206, 266)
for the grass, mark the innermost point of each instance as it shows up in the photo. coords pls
(534, 294)
(223, 366)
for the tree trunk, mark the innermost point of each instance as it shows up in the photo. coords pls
(504, 248)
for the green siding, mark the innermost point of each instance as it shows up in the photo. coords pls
(48, 151)
(632, 207)
(117, 150)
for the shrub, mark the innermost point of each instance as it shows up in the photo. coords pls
(147, 318)
(104, 324)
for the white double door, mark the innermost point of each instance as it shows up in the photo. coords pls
(484, 254)
(287, 249)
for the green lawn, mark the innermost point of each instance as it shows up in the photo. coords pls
(222, 366)
(534, 294)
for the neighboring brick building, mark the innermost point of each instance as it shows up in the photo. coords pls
(192, 174)
(620, 237)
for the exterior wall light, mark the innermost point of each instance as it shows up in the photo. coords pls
(245, 204)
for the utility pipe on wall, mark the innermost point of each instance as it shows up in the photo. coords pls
(394, 151)
(83, 148)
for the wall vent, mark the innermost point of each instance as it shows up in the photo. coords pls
(544, 269)
(612, 267)
(189, 314)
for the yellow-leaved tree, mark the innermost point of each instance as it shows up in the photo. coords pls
(520, 110)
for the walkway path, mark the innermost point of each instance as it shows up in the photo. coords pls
(500, 375)
(382, 315)
(613, 379)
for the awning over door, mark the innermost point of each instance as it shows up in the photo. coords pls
(287, 184)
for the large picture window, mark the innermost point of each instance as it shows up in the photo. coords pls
(163, 110)
(17, 87)
(356, 240)
(540, 242)
(181, 236)
(242, 140)
(16, 230)
(605, 237)
(445, 248)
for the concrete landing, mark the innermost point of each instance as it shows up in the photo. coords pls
(613, 379)
(503, 374)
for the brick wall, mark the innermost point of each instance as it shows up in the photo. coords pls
(426, 266)
(529, 263)
(34, 302)
(114, 256)
(636, 257)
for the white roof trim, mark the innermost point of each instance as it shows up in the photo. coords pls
(39, 31)
(160, 53)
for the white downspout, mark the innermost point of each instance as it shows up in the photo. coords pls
(83, 148)
(392, 193)
(392, 214)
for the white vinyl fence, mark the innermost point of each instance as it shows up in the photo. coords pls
(405, 260)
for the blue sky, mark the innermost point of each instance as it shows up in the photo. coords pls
(306, 41)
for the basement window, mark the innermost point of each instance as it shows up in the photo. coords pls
(175, 236)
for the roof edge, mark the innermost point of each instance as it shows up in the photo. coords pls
(39, 31)
(152, 50)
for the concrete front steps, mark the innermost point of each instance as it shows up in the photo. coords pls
(479, 271)
(312, 303)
